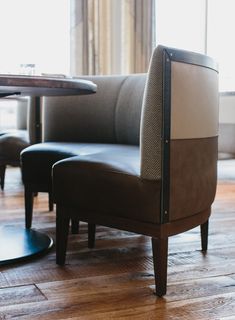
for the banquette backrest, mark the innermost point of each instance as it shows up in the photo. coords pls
(112, 115)
(171, 112)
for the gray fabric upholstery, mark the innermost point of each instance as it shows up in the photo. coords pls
(151, 121)
(84, 118)
(112, 115)
(128, 110)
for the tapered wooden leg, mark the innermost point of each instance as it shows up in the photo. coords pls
(204, 235)
(2, 176)
(28, 198)
(50, 200)
(160, 255)
(74, 226)
(62, 231)
(91, 235)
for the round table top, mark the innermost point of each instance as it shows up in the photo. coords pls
(44, 86)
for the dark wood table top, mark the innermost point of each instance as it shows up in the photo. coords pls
(44, 86)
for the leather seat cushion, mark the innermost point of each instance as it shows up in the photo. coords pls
(107, 181)
(11, 144)
(38, 159)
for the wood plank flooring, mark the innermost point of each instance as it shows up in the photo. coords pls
(115, 279)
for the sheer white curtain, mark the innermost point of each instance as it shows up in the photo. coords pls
(110, 37)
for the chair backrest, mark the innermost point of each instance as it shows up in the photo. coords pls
(112, 115)
(179, 130)
(21, 113)
(25, 117)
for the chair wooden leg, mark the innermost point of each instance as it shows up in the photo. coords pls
(91, 235)
(2, 175)
(28, 198)
(74, 226)
(62, 231)
(160, 255)
(204, 235)
(50, 200)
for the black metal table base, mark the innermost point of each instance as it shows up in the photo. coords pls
(18, 244)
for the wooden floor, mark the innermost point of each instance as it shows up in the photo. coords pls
(115, 280)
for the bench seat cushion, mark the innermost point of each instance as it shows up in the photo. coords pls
(11, 144)
(38, 159)
(116, 181)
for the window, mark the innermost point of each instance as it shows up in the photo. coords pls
(34, 32)
(34, 39)
(204, 26)
(181, 24)
(220, 44)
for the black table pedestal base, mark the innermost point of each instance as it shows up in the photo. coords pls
(18, 244)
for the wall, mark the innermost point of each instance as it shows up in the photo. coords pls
(227, 125)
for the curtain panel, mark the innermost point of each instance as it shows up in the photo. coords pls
(111, 36)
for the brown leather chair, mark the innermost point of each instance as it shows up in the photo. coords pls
(157, 179)
(12, 142)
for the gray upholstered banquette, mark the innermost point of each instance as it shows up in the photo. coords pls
(162, 187)
(79, 125)
(139, 155)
